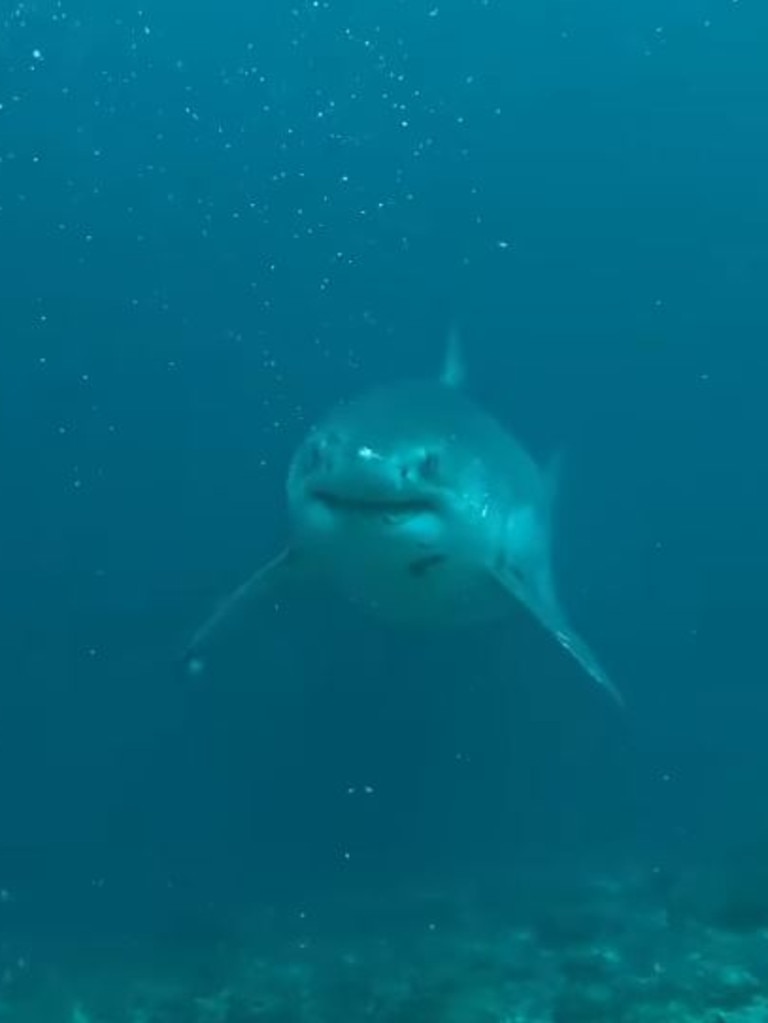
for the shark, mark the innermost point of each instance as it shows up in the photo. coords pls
(418, 505)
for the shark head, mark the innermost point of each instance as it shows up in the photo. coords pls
(382, 465)
(390, 494)
(353, 481)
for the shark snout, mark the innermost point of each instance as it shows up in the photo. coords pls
(341, 473)
(357, 476)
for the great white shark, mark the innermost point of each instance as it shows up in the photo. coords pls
(415, 503)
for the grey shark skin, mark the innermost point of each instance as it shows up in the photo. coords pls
(415, 503)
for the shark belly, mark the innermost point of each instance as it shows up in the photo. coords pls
(405, 584)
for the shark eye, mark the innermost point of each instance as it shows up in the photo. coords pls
(313, 458)
(429, 466)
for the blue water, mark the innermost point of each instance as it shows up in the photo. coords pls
(218, 220)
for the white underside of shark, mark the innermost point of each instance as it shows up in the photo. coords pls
(414, 503)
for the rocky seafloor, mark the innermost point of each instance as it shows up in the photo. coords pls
(609, 951)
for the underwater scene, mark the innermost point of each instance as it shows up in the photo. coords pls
(384, 462)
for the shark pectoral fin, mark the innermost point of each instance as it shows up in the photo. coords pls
(267, 579)
(582, 654)
(543, 605)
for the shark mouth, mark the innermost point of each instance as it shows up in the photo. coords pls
(373, 506)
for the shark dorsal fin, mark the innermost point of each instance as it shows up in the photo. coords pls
(453, 373)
